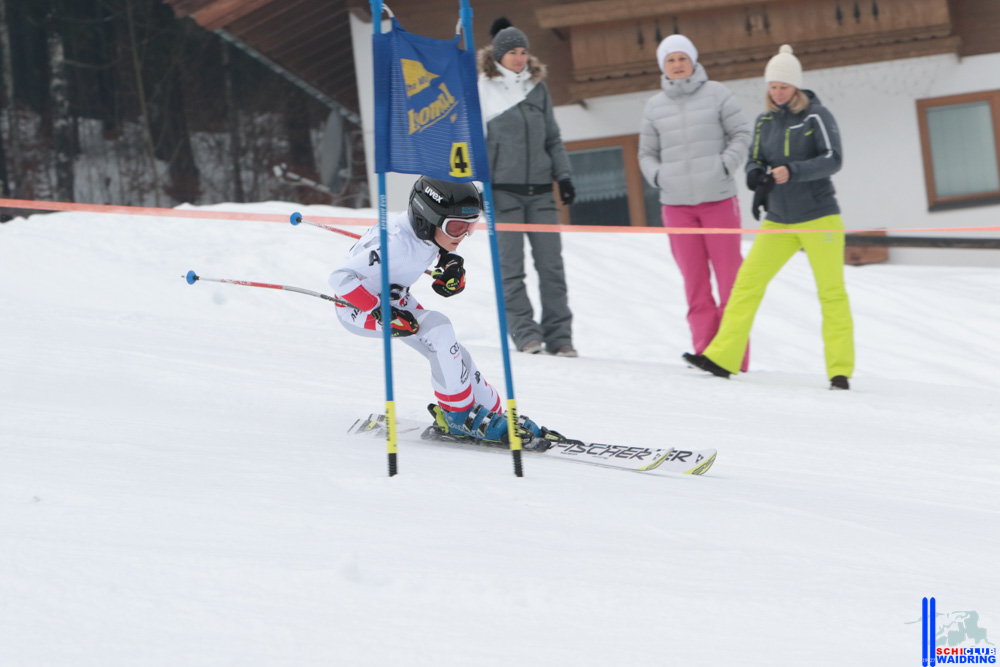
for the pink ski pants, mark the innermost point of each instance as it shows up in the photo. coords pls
(697, 255)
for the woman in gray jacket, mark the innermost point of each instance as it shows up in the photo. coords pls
(693, 140)
(526, 155)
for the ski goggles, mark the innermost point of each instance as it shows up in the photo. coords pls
(456, 228)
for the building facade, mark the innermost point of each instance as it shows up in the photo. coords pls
(915, 88)
(914, 85)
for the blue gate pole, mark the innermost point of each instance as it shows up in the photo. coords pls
(465, 13)
(383, 239)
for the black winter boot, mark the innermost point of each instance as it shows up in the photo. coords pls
(839, 382)
(706, 364)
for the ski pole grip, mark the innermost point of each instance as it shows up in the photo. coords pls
(296, 218)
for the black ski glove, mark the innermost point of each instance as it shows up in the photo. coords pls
(403, 322)
(765, 183)
(449, 275)
(753, 178)
(567, 193)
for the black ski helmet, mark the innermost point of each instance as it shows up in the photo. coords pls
(431, 201)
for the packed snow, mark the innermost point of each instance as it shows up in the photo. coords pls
(177, 486)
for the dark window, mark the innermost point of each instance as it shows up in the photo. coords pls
(609, 187)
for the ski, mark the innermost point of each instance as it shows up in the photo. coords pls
(637, 459)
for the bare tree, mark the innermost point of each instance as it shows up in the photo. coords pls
(233, 118)
(301, 156)
(143, 106)
(9, 174)
(63, 128)
(171, 49)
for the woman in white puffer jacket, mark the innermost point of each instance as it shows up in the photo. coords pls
(692, 141)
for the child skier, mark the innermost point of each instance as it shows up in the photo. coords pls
(439, 217)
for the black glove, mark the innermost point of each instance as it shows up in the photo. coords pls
(567, 192)
(758, 178)
(403, 322)
(764, 185)
(449, 275)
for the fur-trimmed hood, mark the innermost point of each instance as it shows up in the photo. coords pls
(488, 65)
(523, 143)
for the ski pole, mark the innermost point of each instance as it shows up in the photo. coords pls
(297, 218)
(191, 277)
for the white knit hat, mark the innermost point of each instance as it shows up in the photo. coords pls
(675, 43)
(784, 68)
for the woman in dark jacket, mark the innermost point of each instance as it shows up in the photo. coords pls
(795, 149)
(526, 155)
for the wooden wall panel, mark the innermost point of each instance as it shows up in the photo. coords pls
(977, 23)
(743, 69)
(627, 48)
(608, 46)
(223, 12)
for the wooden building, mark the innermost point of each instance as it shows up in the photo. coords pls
(869, 55)
(603, 47)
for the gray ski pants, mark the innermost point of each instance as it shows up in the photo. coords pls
(555, 327)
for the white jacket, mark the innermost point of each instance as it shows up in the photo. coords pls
(523, 142)
(693, 140)
(409, 257)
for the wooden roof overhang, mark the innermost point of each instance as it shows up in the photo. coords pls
(613, 42)
(309, 39)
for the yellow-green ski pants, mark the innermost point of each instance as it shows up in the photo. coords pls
(768, 254)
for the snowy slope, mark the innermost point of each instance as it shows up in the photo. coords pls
(176, 487)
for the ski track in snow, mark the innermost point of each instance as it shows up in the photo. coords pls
(176, 485)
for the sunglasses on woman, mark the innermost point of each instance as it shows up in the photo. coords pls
(456, 228)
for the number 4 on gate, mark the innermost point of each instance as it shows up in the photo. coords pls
(460, 165)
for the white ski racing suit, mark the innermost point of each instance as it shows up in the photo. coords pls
(458, 384)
